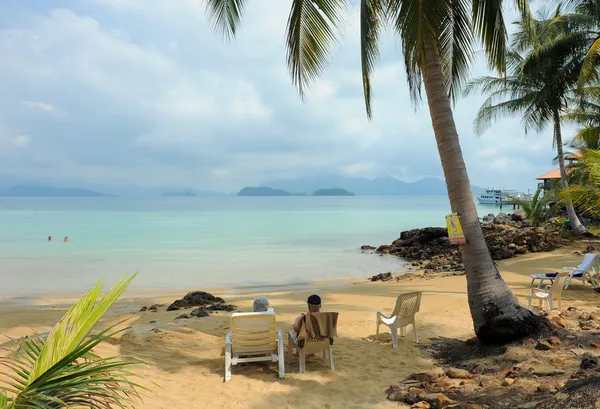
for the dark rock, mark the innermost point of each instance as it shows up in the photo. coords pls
(430, 246)
(381, 277)
(518, 216)
(152, 322)
(153, 308)
(182, 316)
(200, 312)
(222, 307)
(589, 249)
(367, 247)
(502, 218)
(588, 363)
(195, 299)
(144, 308)
(543, 346)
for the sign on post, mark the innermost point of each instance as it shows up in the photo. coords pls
(455, 232)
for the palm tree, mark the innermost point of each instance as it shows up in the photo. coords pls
(586, 114)
(534, 209)
(586, 193)
(437, 38)
(583, 26)
(61, 370)
(540, 96)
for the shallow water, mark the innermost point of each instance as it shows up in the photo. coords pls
(195, 242)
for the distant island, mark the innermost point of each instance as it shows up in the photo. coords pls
(186, 193)
(266, 191)
(381, 186)
(336, 191)
(47, 191)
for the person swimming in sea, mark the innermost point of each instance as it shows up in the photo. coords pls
(49, 239)
(66, 239)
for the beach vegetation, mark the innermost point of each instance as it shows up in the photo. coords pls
(538, 87)
(60, 369)
(536, 210)
(437, 38)
(586, 192)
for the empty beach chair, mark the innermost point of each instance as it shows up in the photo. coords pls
(552, 294)
(584, 272)
(253, 338)
(315, 335)
(407, 305)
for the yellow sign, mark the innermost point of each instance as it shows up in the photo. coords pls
(455, 233)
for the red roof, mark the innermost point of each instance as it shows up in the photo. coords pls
(555, 174)
(576, 155)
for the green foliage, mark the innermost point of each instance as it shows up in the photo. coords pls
(61, 370)
(586, 194)
(425, 27)
(536, 208)
(537, 86)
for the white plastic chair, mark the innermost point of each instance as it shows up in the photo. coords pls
(551, 293)
(407, 305)
(254, 337)
(311, 346)
(583, 272)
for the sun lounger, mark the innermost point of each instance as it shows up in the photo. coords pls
(584, 272)
(315, 335)
(253, 338)
(407, 305)
(552, 294)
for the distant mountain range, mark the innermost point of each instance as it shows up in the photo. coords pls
(382, 186)
(47, 191)
(267, 191)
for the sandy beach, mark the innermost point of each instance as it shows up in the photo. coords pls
(184, 366)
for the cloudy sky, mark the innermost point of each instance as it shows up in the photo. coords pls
(143, 92)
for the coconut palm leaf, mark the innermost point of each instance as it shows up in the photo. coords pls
(372, 17)
(535, 209)
(225, 15)
(61, 370)
(311, 31)
(586, 193)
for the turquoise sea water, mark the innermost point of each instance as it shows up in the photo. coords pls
(189, 243)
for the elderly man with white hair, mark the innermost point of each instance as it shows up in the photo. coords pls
(261, 304)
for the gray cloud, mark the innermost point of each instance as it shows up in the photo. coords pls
(144, 92)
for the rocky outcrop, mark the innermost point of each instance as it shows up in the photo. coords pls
(201, 299)
(381, 277)
(506, 236)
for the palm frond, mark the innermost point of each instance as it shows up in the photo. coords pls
(371, 15)
(489, 26)
(456, 47)
(62, 371)
(225, 15)
(76, 325)
(311, 31)
(589, 69)
(420, 26)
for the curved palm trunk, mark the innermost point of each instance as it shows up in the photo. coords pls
(578, 228)
(497, 315)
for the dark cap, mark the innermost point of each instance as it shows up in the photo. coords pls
(314, 300)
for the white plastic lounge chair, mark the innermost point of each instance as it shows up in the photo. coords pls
(583, 272)
(407, 305)
(552, 294)
(310, 345)
(253, 338)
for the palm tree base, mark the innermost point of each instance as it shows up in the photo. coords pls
(503, 327)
